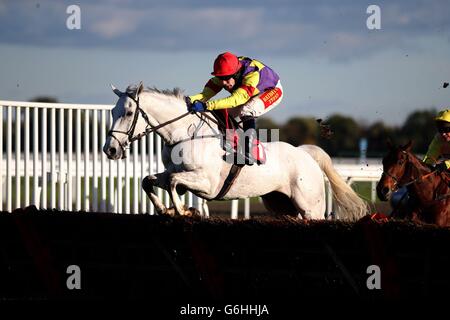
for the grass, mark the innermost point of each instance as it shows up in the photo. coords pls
(364, 190)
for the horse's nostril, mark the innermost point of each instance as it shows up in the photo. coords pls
(385, 190)
(112, 151)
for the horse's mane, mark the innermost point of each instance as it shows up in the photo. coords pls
(175, 92)
(422, 164)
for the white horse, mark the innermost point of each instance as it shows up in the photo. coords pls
(290, 182)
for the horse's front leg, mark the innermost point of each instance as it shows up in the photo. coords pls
(158, 180)
(192, 181)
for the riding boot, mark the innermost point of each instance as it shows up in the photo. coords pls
(253, 149)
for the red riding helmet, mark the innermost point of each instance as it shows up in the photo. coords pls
(226, 64)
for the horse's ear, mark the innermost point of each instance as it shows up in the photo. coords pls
(139, 89)
(116, 91)
(407, 147)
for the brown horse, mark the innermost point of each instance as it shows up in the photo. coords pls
(428, 188)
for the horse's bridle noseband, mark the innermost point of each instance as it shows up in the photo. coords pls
(130, 132)
(390, 176)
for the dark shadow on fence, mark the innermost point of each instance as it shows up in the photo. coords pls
(191, 259)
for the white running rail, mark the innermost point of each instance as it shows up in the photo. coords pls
(51, 156)
(42, 161)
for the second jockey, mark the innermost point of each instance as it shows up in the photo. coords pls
(438, 156)
(438, 153)
(255, 89)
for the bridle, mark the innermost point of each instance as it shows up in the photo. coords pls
(148, 129)
(414, 180)
(437, 197)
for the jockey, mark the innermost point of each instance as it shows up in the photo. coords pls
(438, 153)
(255, 89)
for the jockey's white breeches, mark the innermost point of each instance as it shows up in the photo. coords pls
(259, 104)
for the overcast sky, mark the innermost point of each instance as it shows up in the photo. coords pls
(328, 60)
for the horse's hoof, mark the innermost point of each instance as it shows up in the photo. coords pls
(188, 212)
(194, 211)
(171, 212)
(191, 212)
(166, 212)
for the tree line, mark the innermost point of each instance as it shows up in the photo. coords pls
(340, 135)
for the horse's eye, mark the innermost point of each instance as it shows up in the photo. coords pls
(129, 113)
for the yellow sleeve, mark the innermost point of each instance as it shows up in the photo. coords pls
(239, 96)
(210, 90)
(203, 96)
(447, 164)
(251, 79)
(433, 152)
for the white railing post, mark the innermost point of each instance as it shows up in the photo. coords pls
(44, 160)
(112, 203)
(95, 160)
(329, 200)
(127, 181)
(247, 208)
(198, 203)
(119, 208)
(143, 165)
(18, 152)
(62, 176)
(86, 161)
(1, 158)
(103, 161)
(234, 209)
(9, 159)
(159, 191)
(373, 191)
(53, 159)
(190, 199)
(135, 178)
(27, 157)
(69, 179)
(151, 167)
(36, 192)
(78, 161)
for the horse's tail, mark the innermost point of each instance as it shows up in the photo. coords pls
(347, 204)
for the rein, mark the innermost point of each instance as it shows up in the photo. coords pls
(420, 178)
(148, 129)
(234, 170)
(396, 179)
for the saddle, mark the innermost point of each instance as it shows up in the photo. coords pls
(234, 150)
(229, 129)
